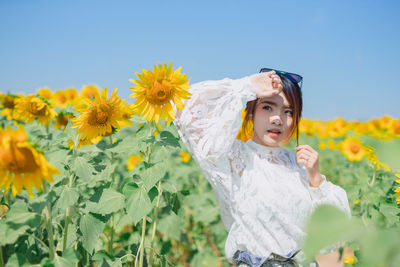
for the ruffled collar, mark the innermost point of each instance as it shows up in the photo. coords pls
(265, 151)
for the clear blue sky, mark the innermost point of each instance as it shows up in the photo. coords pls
(347, 51)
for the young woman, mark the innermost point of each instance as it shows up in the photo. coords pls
(265, 193)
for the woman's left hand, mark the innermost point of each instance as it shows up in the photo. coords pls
(307, 156)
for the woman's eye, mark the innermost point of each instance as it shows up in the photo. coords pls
(267, 107)
(290, 112)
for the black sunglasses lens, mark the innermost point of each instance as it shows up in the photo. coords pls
(265, 70)
(293, 77)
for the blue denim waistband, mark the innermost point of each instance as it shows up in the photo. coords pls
(255, 261)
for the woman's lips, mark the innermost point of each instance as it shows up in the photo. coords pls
(274, 132)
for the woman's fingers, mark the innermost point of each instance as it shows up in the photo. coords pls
(266, 84)
(305, 147)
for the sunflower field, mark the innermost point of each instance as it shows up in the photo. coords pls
(87, 179)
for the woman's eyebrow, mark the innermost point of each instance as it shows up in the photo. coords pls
(274, 104)
(268, 102)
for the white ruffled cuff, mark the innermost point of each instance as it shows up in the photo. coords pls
(319, 192)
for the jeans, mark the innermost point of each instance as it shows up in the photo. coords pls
(246, 259)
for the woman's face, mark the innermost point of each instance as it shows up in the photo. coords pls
(273, 120)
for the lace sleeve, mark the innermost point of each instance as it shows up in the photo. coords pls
(329, 193)
(211, 119)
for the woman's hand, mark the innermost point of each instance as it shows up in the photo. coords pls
(266, 84)
(307, 156)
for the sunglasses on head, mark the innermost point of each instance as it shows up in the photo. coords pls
(295, 78)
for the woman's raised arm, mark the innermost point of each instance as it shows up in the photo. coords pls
(210, 119)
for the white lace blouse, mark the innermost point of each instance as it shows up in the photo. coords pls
(263, 194)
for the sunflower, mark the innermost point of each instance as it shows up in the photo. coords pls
(337, 128)
(32, 107)
(394, 129)
(154, 92)
(321, 129)
(158, 128)
(246, 130)
(322, 145)
(385, 122)
(364, 128)
(372, 157)
(397, 194)
(45, 93)
(185, 157)
(21, 165)
(126, 114)
(352, 149)
(307, 127)
(60, 99)
(133, 161)
(90, 92)
(84, 142)
(8, 103)
(72, 95)
(101, 117)
(349, 259)
(62, 120)
(332, 145)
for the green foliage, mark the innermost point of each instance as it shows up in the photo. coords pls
(96, 206)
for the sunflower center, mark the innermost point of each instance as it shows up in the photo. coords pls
(19, 160)
(8, 102)
(62, 99)
(63, 120)
(159, 93)
(354, 148)
(99, 116)
(34, 109)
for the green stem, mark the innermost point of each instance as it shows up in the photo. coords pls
(155, 222)
(111, 241)
(67, 216)
(65, 234)
(373, 178)
(49, 228)
(7, 198)
(142, 242)
(149, 147)
(1, 257)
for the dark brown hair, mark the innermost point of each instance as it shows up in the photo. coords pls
(293, 94)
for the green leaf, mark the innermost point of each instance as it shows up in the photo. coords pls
(83, 169)
(168, 139)
(68, 259)
(204, 258)
(138, 203)
(152, 175)
(204, 210)
(102, 258)
(171, 226)
(128, 144)
(110, 201)
(17, 260)
(106, 174)
(379, 247)
(69, 196)
(390, 212)
(327, 226)
(9, 234)
(58, 158)
(19, 214)
(90, 227)
(143, 131)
